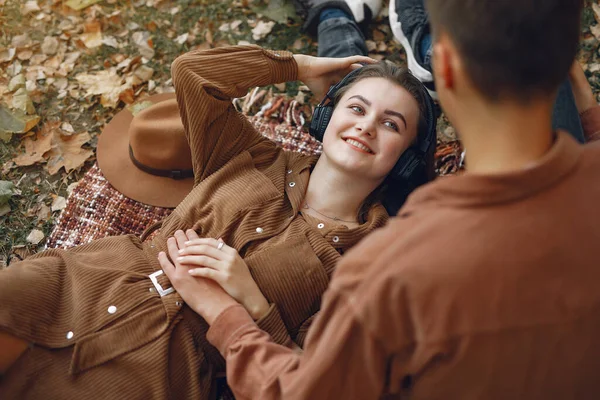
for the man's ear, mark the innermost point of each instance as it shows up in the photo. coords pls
(444, 63)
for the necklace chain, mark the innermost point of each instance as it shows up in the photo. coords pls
(326, 216)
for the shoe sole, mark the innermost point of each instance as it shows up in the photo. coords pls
(417, 70)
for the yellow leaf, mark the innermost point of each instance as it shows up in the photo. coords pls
(80, 4)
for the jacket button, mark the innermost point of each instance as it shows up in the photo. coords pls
(70, 335)
(259, 230)
(112, 309)
(321, 226)
(336, 239)
(289, 171)
(292, 184)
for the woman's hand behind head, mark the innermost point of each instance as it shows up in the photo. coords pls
(319, 73)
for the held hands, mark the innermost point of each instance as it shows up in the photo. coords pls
(213, 259)
(319, 73)
(204, 296)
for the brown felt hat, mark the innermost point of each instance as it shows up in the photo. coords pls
(146, 156)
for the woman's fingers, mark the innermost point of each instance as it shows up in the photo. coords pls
(207, 273)
(172, 248)
(208, 242)
(165, 264)
(361, 59)
(191, 234)
(181, 238)
(202, 241)
(203, 250)
(204, 261)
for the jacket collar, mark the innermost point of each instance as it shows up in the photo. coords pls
(471, 190)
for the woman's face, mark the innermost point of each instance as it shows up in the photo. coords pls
(372, 125)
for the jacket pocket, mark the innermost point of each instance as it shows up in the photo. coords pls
(290, 275)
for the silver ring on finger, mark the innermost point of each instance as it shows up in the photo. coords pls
(220, 245)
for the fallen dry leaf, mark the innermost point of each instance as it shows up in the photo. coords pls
(4, 209)
(21, 41)
(50, 45)
(59, 203)
(181, 39)
(15, 121)
(80, 4)
(16, 82)
(91, 40)
(43, 213)
(144, 43)
(596, 31)
(143, 73)
(67, 152)
(107, 83)
(35, 149)
(29, 7)
(35, 236)
(7, 55)
(24, 54)
(596, 9)
(22, 102)
(262, 29)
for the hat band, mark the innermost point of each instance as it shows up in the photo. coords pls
(176, 174)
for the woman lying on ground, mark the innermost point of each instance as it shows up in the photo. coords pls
(100, 317)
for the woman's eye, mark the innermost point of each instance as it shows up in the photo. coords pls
(392, 125)
(357, 109)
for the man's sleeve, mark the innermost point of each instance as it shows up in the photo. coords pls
(341, 359)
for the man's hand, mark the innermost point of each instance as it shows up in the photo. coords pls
(202, 295)
(319, 73)
(584, 97)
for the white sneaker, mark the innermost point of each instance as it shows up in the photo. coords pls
(358, 9)
(418, 71)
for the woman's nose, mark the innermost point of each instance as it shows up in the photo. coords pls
(367, 127)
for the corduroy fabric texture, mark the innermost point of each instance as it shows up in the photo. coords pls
(61, 300)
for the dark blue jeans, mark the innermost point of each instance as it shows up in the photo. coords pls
(341, 37)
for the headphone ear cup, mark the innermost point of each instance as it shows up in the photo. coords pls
(406, 165)
(321, 118)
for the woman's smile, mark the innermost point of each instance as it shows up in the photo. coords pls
(358, 145)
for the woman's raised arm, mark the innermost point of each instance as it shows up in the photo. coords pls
(205, 83)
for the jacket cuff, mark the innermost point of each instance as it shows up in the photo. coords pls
(272, 323)
(590, 121)
(227, 325)
(282, 66)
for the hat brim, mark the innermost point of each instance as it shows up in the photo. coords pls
(112, 154)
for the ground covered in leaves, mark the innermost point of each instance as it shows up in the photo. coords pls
(66, 68)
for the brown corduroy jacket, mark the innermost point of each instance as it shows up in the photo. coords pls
(95, 319)
(484, 287)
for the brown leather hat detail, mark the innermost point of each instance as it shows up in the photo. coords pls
(147, 157)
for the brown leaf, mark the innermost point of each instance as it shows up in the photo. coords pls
(35, 236)
(67, 152)
(127, 97)
(596, 9)
(35, 149)
(14, 121)
(80, 4)
(378, 35)
(50, 45)
(24, 54)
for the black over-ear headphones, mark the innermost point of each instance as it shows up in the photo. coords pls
(413, 160)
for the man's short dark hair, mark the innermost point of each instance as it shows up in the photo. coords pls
(512, 48)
